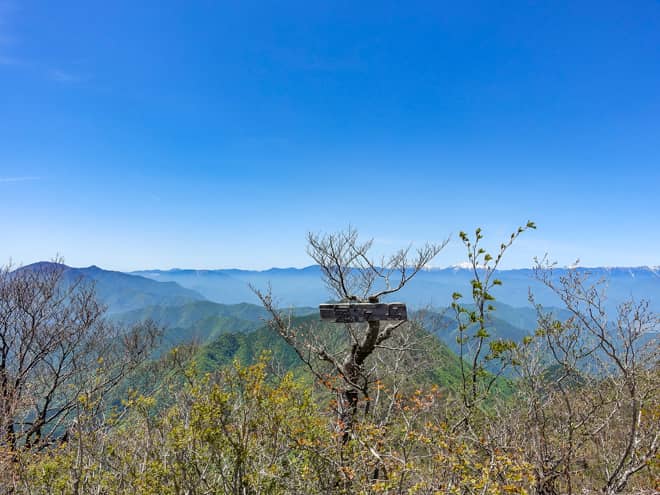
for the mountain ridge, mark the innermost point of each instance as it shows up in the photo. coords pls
(431, 287)
(298, 287)
(122, 291)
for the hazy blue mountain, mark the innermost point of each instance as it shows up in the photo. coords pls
(122, 291)
(202, 320)
(291, 286)
(446, 329)
(431, 288)
(524, 318)
(189, 314)
(294, 287)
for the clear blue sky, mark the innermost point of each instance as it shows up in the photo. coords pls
(216, 134)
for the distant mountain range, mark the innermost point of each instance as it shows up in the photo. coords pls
(434, 287)
(304, 287)
(218, 310)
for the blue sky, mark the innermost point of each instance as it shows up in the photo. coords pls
(216, 134)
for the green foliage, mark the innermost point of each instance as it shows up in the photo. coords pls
(242, 430)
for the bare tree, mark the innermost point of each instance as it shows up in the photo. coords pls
(351, 275)
(57, 353)
(588, 387)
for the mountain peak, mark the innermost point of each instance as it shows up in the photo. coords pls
(41, 265)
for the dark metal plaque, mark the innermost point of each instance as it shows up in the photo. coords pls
(358, 312)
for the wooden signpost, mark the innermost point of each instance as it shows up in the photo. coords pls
(359, 312)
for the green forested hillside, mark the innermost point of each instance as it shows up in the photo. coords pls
(441, 366)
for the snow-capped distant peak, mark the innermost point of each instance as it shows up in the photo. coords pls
(465, 265)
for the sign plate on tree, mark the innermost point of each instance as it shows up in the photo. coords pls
(358, 312)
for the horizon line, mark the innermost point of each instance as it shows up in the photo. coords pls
(460, 266)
